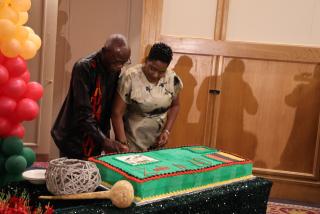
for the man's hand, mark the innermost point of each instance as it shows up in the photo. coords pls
(111, 146)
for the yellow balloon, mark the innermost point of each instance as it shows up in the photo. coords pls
(21, 33)
(22, 18)
(28, 49)
(7, 29)
(11, 47)
(29, 29)
(21, 5)
(35, 39)
(8, 13)
(4, 3)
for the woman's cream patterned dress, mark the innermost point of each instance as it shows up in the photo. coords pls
(147, 105)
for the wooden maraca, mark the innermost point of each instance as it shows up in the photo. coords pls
(121, 194)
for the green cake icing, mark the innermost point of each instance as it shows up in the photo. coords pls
(170, 171)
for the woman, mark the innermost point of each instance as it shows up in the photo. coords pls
(147, 102)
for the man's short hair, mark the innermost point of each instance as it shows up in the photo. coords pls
(116, 40)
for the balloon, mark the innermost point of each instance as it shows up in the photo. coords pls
(16, 164)
(29, 155)
(5, 126)
(22, 18)
(7, 105)
(11, 47)
(34, 91)
(17, 130)
(2, 161)
(27, 109)
(4, 3)
(28, 49)
(15, 88)
(8, 13)
(22, 33)
(4, 75)
(7, 28)
(2, 57)
(21, 5)
(26, 76)
(29, 29)
(16, 66)
(12, 146)
(35, 39)
(13, 118)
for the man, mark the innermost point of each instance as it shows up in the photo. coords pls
(82, 128)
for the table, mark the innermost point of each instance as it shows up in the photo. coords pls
(247, 197)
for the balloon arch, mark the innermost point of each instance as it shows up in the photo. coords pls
(18, 95)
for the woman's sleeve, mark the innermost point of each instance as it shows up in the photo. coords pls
(124, 87)
(178, 85)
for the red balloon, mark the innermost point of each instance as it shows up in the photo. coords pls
(27, 109)
(7, 106)
(34, 91)
(5, 126)
(2, 58)
(26, 76)
(15, 88)
(17, 130)
(16, 66)
(13, 118)
(4, 75)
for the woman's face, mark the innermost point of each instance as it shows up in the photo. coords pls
(155, 70)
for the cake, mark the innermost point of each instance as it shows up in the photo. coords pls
(167, 172)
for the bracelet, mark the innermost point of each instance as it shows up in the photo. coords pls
(166, 131)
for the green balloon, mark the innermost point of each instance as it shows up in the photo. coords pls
(1, 141)
(2, 163)
(2, 180)
(8, 178)
(12, 146)
(29, 155)
(15, 164)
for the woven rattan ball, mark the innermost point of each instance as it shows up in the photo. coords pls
(71, 176)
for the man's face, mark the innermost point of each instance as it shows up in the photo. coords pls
(116, 58)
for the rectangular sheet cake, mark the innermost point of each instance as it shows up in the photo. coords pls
(168, 172)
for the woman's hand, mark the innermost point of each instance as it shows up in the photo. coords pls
(162, 140)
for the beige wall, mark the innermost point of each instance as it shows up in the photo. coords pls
(189, 18)
(275, 21)
(265, 21)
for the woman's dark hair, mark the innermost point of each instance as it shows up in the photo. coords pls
(160, 51)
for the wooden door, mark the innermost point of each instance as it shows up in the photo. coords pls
(195, 72)
(268, 109)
